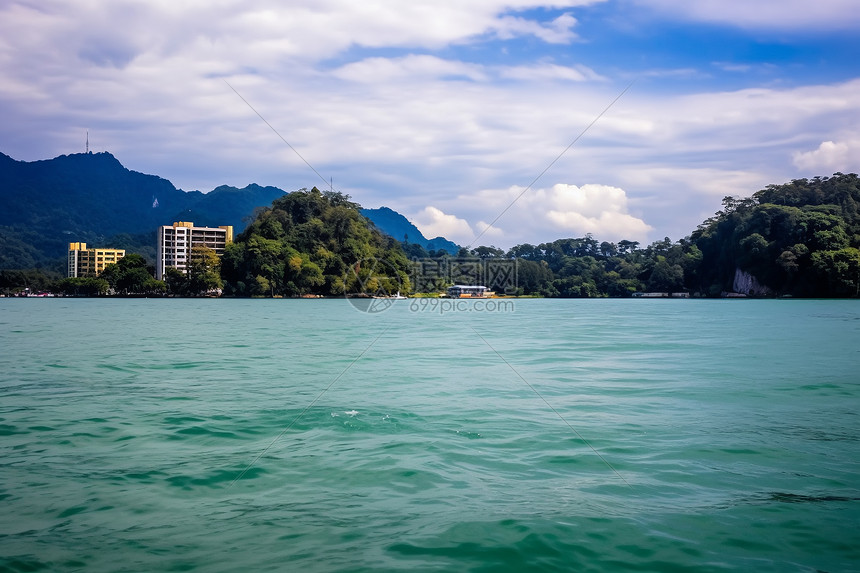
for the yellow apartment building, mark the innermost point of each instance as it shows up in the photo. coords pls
(84, 262)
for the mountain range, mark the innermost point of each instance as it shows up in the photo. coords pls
(93, 198)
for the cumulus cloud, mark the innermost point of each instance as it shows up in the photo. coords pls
(487, 230)
(539, 215)
(601, 210)
(433, 222)
(830, 155)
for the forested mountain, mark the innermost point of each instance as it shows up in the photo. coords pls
(93, 198)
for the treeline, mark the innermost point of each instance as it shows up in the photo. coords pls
(131, 276)
(797, 239)
(585, 267)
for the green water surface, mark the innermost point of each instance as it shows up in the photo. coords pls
(548, 435)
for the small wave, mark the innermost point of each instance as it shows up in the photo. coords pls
(786, 497)
(215, 480)
(10, 430)
(203, 431)
(23, 563)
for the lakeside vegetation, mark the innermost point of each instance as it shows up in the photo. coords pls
(796, 239)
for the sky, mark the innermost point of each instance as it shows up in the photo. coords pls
(488, 122)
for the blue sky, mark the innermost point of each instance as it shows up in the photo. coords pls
(446, 111)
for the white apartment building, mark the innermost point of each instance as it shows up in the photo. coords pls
(176, 241)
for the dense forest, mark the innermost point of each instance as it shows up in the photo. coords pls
(312, 243)
(799, 239)
(796, 239)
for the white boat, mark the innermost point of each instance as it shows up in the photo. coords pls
(397, 296)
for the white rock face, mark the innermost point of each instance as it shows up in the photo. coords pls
(747, 284)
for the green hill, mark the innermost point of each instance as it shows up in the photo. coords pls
(313, 243)
(93, 198)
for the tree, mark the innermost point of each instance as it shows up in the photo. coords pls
(83, 286)
(261, 286)
(608, 249)
(136, 281)
(309, 242)
(666, 277)
(625, 247)
(532, 276)
(130, 275)
(203, 271)
(487, 252)
(16, 281)
(841, 271)
(176, 282)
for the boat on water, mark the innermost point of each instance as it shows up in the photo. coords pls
(397, 296)
(469, 291)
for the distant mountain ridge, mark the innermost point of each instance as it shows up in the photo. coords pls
(93, 198)
(396, 225)
(86, 192)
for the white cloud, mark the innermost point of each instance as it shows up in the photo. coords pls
(265, 33)
(558, 32)
(601, 210)
(411, 67)
(830, 156)
(433, 222)
(408, 129)
(702, 181)
(414, 67)
(772, 122)
(766, 14)
(547, 71)
(540, 215)
(486, 230)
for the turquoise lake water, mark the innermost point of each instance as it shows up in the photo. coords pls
(554, 435)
